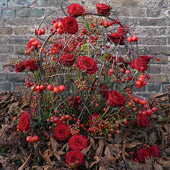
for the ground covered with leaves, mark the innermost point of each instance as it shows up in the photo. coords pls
(102, 153)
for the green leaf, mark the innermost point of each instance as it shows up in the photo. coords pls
(104, 56)
(87, 25)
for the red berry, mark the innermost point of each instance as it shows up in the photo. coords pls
(111, 70)
(42, 87)
(50, 87)
(30, 139)
(62, 88)
(134, 38)
(35, 138)
(129, 39)
(149, 112)
(56, 89)
(154, 109)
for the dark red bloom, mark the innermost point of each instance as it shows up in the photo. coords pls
(141, 120)
(75, 10)
(67, 59)
(73, 157)
(61, 132)
(103, 9)
(78, 142)
(115, 99)
(24, 122)
(19, 67)
(141, 154)
(87, 64)
(70, 25)
(154, 151)
(117, 38)
(140, 64)
(30, 65)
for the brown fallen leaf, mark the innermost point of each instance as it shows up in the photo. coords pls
(46, 155)
(157, 166)
(164, 163)
(85, 150)
(25, 163)
(100, 148)
(47, 167)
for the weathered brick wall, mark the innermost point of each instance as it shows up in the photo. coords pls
(150, 19)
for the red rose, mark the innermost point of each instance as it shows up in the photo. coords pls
(87, 64)
(115, 99)
(140, 64)
(103, 9)
(30, 65)
(141, 154)
(117, 38)
(19, 67)
(61, 132)
(154, 151)
(24, 122)
(75, 10)
(67, 59)
(141, 120)
(70, 25)
(78, 142)
(73, 157)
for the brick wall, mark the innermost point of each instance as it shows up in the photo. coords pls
(150, 19)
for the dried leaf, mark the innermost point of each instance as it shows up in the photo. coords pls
(25, 163)
(46, 155)
(132, 145)
(54, 144)
(157, 167)
(47, 167)
(164, 163)
(85, 150)
(100, 148)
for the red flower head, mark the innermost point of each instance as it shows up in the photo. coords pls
(117, 38)
(73, 157)
(103, 9)
(140, 64)
(87, 64)
(61, 132)
(70, 25)
(24, 122)
(67, 59)
(154, 151)
(78, 142)
(141, 120)
(141, 154)
(115, 99)
(19, 67)
(30, 65)
(75, 10)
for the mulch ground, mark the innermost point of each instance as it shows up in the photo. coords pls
(101, 154)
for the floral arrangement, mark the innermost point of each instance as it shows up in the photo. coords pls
(83, 71)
